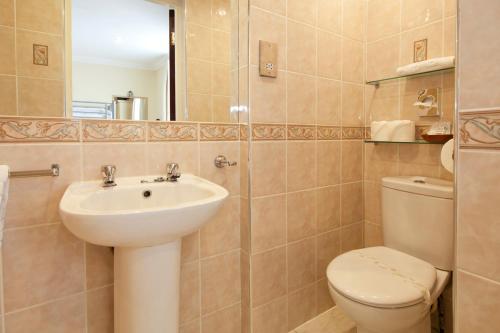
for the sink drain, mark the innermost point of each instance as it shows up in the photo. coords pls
(146, 194)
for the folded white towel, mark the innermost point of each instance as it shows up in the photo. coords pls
(427, 66)
(4, 193)
(394, 130)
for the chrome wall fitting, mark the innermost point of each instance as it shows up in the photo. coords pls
(221, 161)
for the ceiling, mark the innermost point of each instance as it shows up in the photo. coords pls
(125, 33)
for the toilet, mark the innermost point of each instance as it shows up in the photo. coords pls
(391, 288)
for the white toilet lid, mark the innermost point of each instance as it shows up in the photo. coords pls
(382, 277)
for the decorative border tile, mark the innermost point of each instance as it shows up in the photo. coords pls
(219, 132)
(243, 132)
(268, 132)
(300, 132)
(172, 131)
(329, 132)
(353, 133)
(113, 131)
(368, 132)
(480, 129)
(38, 130)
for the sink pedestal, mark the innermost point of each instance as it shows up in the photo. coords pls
(147, 288)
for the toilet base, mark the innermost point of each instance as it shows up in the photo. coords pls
(423, 326)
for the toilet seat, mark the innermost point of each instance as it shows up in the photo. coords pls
(382, 277)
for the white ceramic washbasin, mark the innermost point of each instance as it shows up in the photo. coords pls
(125, 216)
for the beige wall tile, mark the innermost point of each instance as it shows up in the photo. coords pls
(198, 42)
(328, 162)
(301, 306)
(415, 13)
(127, 157)
(221, 79)
(221, 108)
(381, 103)
(271, 317)
(40, 98)
(477, 38)
(225, 177)
(478, 211)
(191, 327)
(329, 55)
(380, 161)
(352, 61)
(7, 51)
(220, 282)
(269, 279)
(477, 304)
(301, 165)
(100, 310)
(301, 215)
(328, 208)
(270, 28)
(268, 97)
(224, 321)
(43, 16)
(41, 264)
(8, 95)
(329, 15)
(352, 105)
(301, 263)
(383, 18)
(352, 159)
(199, 11)
(373, 235)
(301, 99)
(328, 110)
(324, 300)
(36, 200)
(186, 154)
(301, 48)
(220, 18)
(98, 266)
(373, 202)
(328, 247)
(450, 36)
(351, 237)
(434, 35)
(268, 223)
(302, 11)
(450, 8)
(197, 74)
(64, 315)
(269, 175)
(200, 107)
(277, 6)
(7, 12)
(352, 203)
(221, 47)
(189, 292)
(382, 58)
(222, 232)
(353, 19)
(24, 55)
(190, 247)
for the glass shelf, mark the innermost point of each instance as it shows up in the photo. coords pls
(419, 142)
(377, 82)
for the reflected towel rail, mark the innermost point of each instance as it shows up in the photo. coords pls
(54, 172)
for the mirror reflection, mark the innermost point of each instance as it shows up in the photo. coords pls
(123, 60)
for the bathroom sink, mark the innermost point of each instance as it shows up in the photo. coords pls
(135, 214)
(144, 221)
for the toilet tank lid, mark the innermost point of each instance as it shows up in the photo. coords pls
(420, 185)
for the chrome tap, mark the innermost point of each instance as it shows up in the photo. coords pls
(173, 172)
(108, 174)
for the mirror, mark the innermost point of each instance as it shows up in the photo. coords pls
(121, 59)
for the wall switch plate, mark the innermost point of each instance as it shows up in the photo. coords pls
(268, 59)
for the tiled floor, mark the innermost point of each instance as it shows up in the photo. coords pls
(331, 321)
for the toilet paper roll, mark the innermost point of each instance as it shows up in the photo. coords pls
(447, 155)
